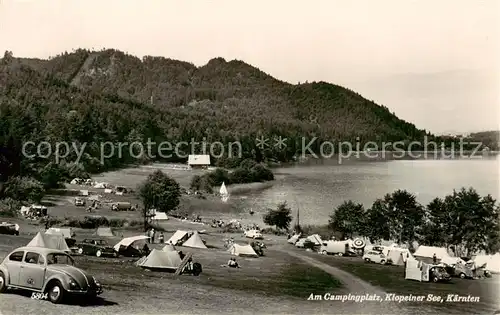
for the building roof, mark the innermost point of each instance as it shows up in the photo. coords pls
(199, 159)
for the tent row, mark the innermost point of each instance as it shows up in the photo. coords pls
(393, 253)
(68, 233)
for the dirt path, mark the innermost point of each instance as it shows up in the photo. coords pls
(356, 286)
(352, 283)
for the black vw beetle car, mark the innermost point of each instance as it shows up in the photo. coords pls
(96, 247)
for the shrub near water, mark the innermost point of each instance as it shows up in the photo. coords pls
(248, 171)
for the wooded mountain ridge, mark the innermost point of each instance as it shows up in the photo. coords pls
(93, 97)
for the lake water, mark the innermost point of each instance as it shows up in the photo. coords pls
(322, 185)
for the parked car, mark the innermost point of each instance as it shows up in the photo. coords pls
(79, 202)
(46, 270)
(96, 247)
(121, 206)
(439, 274)
(376, 257)
(9, 228)
(254, 234)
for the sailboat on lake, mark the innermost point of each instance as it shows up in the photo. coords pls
(224, 194)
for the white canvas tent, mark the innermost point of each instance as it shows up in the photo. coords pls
(129, 241)
(158, 259)
(104, 232)
(412, 270)
(242, 250)
(178, 237)
(53, 241)
(294, 239)
(315, 238)
(160, 216)
(452, 261)
(492, 262)
(168, 248)
(300, 242)
(66, 233)
(429, 251)
(194, 241)
(398, 256)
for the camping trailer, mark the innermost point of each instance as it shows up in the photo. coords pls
(340, 248)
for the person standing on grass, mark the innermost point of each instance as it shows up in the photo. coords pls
(151, 236)
(434, 259)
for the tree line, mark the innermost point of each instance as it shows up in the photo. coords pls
(463, 221)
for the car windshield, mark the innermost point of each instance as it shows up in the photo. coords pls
(102, 242)
(61, 259)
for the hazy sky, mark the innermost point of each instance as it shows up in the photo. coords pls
(433, 62)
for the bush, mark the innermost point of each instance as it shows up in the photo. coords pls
(246, 172)
(274, 231)
(24, 188)
(51, 221)
(10, 207)
(95, 222)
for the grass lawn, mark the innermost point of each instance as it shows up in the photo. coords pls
(391, 279)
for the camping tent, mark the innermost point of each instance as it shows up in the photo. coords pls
(157, 259)
(104, 232)
(429, 251)
(129, 241)
(300, 242)
(66, 233)
(160, 216)
(168, 247)
(242, 250)
(417, 270)
(54, 241)
(315, 238)
(178, 237)
(194, 241)
(294, 239)
(452, 260)
(492, 262)
(398, 256)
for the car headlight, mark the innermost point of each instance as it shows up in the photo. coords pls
(73, 285)
(96, 282)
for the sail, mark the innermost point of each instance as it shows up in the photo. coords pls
(223, 192)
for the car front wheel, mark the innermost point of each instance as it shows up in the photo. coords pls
(382, 262)
(80, 251)
(367, 260)
(56, 293)
(462, 275)
(98, 253)
(3, 283)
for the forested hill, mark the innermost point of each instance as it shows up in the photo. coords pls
(92, 97)
(231, 89)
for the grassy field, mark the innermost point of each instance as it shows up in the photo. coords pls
(392, 280)
(274, 274)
